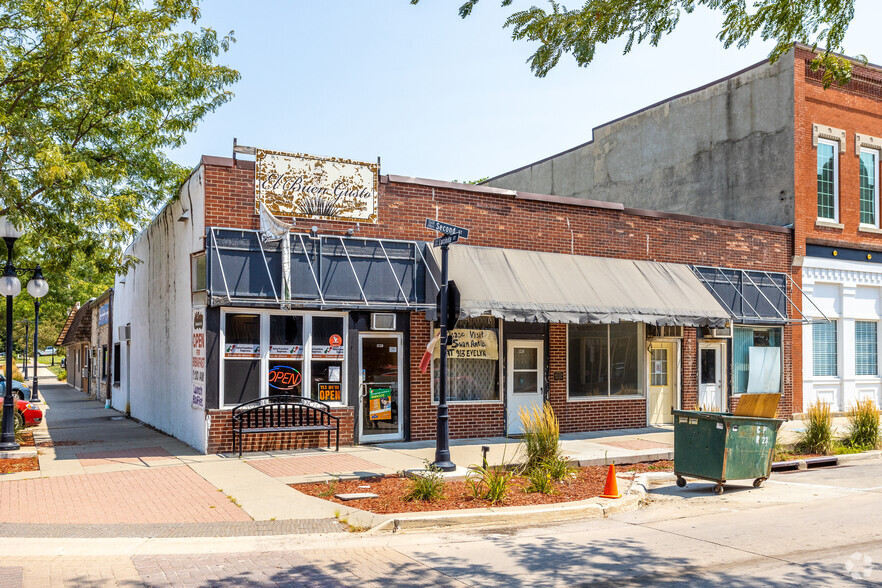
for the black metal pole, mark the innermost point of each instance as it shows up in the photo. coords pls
(27, 339)
(7, 436)
(442, 440)
(34, 396)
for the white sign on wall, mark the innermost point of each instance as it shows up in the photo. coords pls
(197, 365)
(305, 186)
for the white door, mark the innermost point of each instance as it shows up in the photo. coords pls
(711, 377)
(525, 380)
(380, 356)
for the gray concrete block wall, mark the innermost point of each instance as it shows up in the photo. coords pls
(722, 151)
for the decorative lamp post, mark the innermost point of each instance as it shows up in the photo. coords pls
(27, 325)
(37, 287)
(10, 286)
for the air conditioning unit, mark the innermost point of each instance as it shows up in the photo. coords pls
(125, 333)
(382, 321)
(654, 331)
(718, 332)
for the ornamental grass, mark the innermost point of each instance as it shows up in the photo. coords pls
(817, 437)
(863, 425)
(541, 435)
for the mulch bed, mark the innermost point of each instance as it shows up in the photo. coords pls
(588, 483)
(21, 464)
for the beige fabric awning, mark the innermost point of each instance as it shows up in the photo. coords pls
(530, 286)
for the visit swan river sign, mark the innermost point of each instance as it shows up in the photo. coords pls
(447, 229)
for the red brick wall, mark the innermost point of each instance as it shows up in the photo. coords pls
(220, 434)
(466, 420)
(856, 108)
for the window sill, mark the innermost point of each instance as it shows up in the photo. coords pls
(829, 224)
(603, 398)
(869, 229)
(467, 402)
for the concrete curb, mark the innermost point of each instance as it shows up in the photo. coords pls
(519, 515)
(865, 456)
(19, 454)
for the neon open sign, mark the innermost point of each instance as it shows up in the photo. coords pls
(283, 377)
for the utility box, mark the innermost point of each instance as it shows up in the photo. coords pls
(721, 447)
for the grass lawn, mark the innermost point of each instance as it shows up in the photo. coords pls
(46, 360)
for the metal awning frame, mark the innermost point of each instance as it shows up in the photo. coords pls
(781, 318)
(321, 303)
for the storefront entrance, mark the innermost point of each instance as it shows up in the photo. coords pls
(711, 376)
(379, 362)
(661, 383)
(525, 380)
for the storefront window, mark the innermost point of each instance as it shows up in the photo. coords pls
(470, 378)
(327, 354)
(825, 354)
(285, 374)
(756, 360)
(241, 358)
(305, 357)
(604, 360)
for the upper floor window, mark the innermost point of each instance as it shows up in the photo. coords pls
(828, 180)
(869, 178)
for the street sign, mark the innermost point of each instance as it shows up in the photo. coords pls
(445, 240)
(447, 229)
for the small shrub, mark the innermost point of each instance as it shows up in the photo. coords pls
(62, 376)
(428, 486)
(491, 483)
(817, 437)
(541, 435)
(558, 468)
(540, 481)
(330, 489)
(863, 425)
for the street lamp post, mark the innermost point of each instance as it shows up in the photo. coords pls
(10, 287)
(37, 287)
(27, 325)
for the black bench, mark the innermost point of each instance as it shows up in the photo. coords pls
(283, 414)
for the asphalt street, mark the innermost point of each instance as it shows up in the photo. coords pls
(809, 528)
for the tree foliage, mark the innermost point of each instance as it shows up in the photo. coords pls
(93, 93)
(559, 30)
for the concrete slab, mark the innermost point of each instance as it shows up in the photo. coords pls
(261, 496)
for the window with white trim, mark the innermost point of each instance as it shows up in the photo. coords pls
(825, 354)
(471, 379)
(869, 187)
(866, 359)
(828, 180)
(270, 353)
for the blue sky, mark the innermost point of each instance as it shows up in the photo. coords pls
(439, 97)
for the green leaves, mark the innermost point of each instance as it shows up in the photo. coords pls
(558, 30)
(93, 93)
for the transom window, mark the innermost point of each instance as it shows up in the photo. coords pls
(825, 354)
(828, 180)
(869, 178)
(866, 361)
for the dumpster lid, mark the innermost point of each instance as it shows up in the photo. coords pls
(533, 286)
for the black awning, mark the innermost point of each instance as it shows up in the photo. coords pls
(754, 296)
(326, 271)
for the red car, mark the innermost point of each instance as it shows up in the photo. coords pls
(27, 414)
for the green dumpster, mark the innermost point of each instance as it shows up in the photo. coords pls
(719, 447)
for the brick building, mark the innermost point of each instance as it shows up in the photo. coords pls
(606, 311)
(766, 144)
(86, 337)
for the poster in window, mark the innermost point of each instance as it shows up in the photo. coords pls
(198, 358)
(333, 373)
(329, 392)
(381, 404)
(242, 350)
(471, 344)
(286, 351)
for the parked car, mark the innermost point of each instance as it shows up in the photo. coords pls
(27, 414)
(20, 390)
(48, 351)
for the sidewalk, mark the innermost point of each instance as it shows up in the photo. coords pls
(99, 468)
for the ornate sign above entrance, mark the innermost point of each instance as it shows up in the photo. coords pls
(304, 186)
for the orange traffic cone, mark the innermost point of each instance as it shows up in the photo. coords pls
(611, 490)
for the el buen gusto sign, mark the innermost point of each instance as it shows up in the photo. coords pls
(325, 188)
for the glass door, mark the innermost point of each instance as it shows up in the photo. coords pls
(380, 387)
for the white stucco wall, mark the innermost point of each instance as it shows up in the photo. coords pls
(154, 297)
(844, 291)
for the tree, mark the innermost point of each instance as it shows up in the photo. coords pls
(93, 93)
(558, 30)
